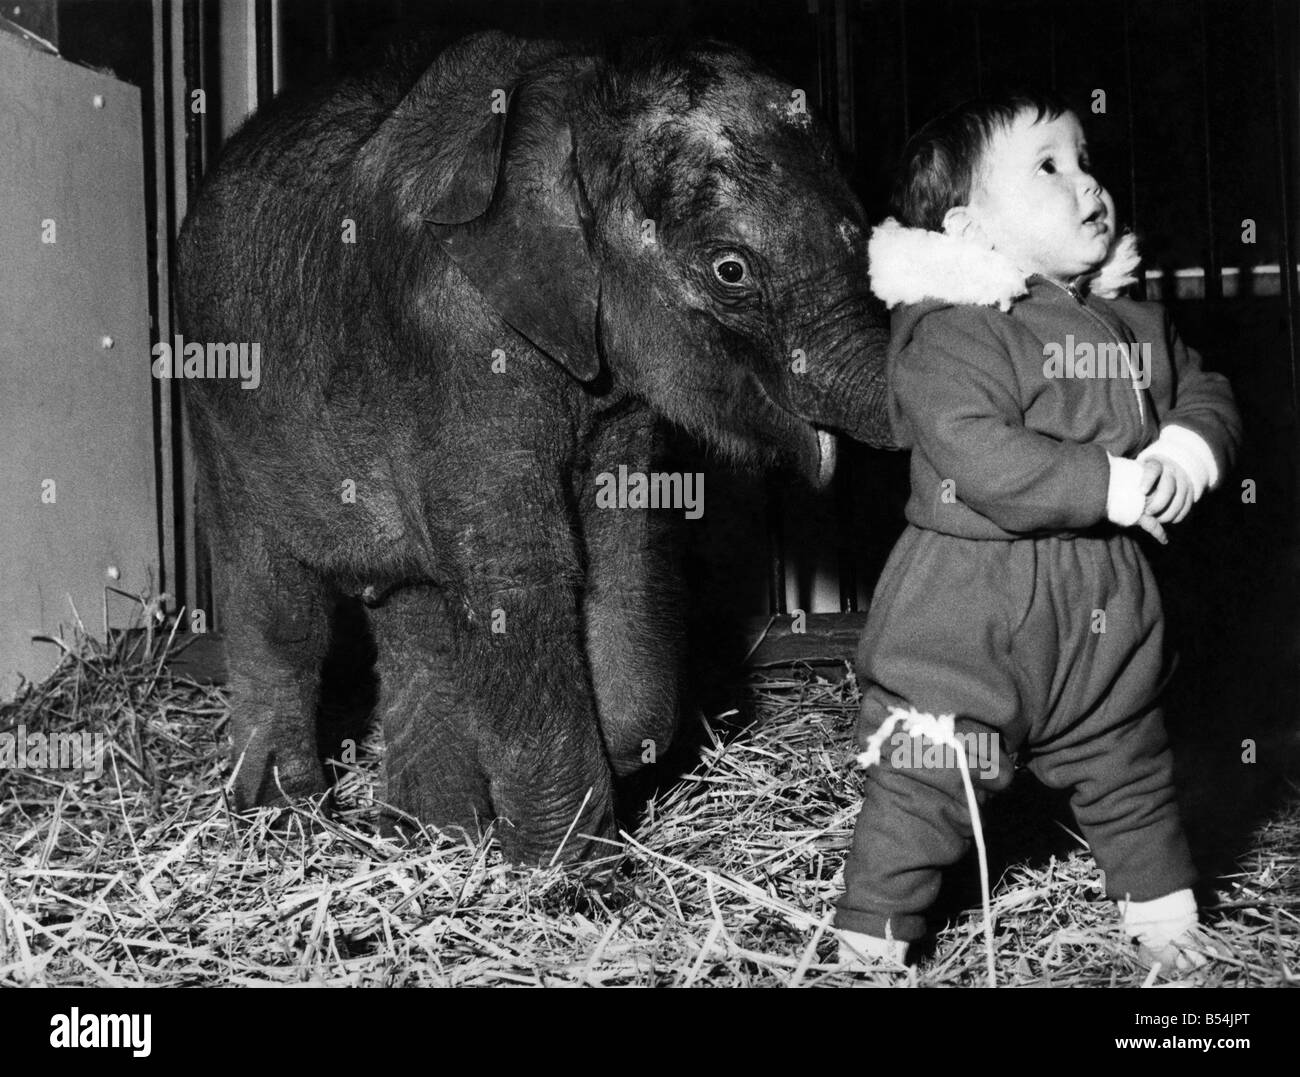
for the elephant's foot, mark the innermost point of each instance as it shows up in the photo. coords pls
(271, 778)
(578, 828)
(411, 796)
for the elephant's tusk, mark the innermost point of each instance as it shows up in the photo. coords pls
(826, 457)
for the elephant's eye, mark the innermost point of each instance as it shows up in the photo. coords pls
(730, 268)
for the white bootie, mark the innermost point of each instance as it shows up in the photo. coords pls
(871, 951)
(1167, 932)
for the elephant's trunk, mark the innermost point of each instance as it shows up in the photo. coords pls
(858, 405)
(845, 388)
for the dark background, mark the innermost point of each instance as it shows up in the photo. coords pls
(1199, 133)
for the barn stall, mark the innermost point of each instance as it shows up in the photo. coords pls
(115, 111)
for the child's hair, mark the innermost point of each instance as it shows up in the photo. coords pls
(941, 161)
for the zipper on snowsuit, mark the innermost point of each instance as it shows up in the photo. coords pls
(1074, 293)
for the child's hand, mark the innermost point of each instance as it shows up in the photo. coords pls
(1128, 496)
(1152, 527)
(1171, 498)
(1152, 474)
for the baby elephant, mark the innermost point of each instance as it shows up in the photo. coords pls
(477, 281)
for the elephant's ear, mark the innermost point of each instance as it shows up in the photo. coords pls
(528, 254)
(435, 157)
(480, 152)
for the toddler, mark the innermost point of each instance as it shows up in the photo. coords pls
(1048, 419)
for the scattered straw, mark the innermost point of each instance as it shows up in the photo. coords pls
(145, 876)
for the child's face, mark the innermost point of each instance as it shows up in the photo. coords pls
(1036, 201)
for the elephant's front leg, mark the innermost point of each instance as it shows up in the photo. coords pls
(511, 736)
(634, 613)
(519, 720)
(487, 715)
(522, 666)
(431, 767)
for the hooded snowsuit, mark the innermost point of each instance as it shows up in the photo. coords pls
(1011, 600)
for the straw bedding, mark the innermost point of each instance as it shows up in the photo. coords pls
(145, 876)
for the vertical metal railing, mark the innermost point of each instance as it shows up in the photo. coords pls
(776, 546)
(263, 51)
(1286, 55)
(845, 485)
(1213, 274)
(905, 95)
(1126, 18)
(191, 558)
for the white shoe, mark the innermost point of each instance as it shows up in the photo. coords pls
(872, 952)
(1168, 934)
(1191, 950)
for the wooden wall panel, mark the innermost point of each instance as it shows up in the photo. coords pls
(72, 410)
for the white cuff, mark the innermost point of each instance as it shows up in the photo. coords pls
(1188, 450)
(1158, 922)
(1124, 498)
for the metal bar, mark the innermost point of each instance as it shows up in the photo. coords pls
(331, 31)
(1286, 46)
(844, 77)
(161, 208)
(264, 52)
(1051, 45)
(1140, 288)
(1213, 277)
(775, 546)
(825, 66)
(188, 563)
(192, 62)
(846, 561)
(845, 484)
(903, 76)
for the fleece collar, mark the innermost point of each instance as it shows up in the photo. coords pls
(909, 265)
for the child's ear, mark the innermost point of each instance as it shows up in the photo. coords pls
(960, 222)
